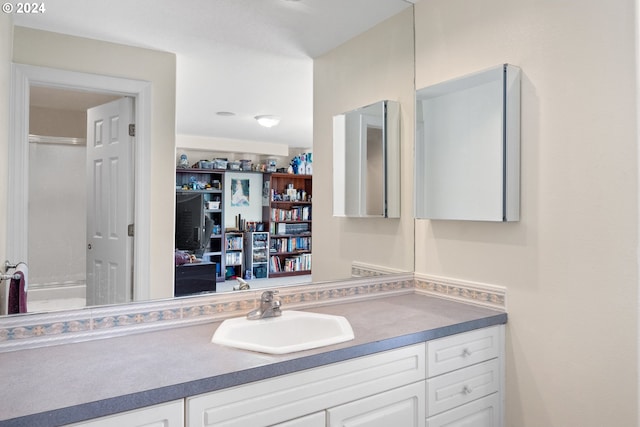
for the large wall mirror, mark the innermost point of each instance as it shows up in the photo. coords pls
(63, 281)
(366, 161)
(381, 154)
(467, 159)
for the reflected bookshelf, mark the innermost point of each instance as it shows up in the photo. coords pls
(290, 225)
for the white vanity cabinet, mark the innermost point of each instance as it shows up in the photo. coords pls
(170, 414)
(285, 398)
(452, 381)
(465, 379)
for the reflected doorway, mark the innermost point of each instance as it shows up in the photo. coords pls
(58, 198)
(25, 77)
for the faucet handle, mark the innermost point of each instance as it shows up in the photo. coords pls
(267, 296)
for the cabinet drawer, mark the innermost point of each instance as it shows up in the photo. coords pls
(287, 397)
(464, 385)
(485, 412)
(458, 351)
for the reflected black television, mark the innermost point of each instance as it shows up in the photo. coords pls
(189, 222)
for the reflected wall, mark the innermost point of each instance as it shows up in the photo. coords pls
(46, 49)
(375, 65)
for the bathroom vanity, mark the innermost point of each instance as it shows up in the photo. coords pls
(416, 360)
(449, 381)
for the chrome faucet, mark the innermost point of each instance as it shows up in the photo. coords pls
(269, 307)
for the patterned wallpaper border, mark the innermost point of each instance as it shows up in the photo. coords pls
(363, 269)
(32, 331)
(483, 294)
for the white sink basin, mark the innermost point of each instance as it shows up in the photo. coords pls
(292, 331)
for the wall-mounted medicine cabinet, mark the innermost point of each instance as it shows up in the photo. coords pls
(467, 158)
(366, 162)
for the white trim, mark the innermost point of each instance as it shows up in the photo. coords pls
(24, 76)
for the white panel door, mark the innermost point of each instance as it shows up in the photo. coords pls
(109, 203)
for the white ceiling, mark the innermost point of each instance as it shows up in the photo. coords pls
(249, 57)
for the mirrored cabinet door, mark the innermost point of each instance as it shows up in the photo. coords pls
(467, 163)
(366, 152)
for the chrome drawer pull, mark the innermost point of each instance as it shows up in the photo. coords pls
(467, 390)
(466, 352)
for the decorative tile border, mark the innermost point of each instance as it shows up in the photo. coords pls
(31, 331)
(490, 296)
(363, 269)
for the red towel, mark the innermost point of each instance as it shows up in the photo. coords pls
(17, 294)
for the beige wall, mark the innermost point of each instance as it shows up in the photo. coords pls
(57, 122)
(375, 66)
(60, 51)
(570, 264)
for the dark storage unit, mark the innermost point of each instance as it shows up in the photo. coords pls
(195, 278)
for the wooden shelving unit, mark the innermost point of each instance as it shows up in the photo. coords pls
(290, 224)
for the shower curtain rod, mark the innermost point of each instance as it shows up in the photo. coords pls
(64, 140)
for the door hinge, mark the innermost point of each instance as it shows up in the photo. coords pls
(130, 230)
(132, 130)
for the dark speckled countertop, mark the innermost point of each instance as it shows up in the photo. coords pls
(73, 382)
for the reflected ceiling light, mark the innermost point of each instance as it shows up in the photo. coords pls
(268, 121)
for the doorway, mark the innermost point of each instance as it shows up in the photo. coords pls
(24, 79)
(58, 198)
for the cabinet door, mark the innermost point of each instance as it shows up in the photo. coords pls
(403, 406)
(169, 414)
(485, 412)
(286, 397)
(313, 420)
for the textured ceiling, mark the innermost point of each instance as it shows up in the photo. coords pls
(249, 57)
